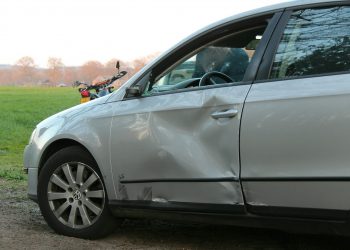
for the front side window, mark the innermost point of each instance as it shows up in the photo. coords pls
(315, 41)
(228, 56)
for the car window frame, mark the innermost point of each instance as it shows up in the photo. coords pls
(184, 49)
(271, 50)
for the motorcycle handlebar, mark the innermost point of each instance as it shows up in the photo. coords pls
(112, 79)
(104, 83)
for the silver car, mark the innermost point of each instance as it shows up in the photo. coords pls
(256, 134)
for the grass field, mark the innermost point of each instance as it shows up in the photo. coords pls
(21, 108)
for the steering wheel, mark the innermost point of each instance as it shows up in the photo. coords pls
(207, 77)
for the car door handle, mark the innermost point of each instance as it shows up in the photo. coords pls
(225, 114)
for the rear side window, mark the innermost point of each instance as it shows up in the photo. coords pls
(315, 41)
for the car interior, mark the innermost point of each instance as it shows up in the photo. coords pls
(223, 61)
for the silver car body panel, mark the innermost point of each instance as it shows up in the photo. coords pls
(294, 134)
(87, 124)
(298, 194)
(174, 138)
(185, 192)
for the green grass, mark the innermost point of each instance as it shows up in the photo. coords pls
(21, 108)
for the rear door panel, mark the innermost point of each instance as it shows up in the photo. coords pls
(295, 143)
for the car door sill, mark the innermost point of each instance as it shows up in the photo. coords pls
(237, 216)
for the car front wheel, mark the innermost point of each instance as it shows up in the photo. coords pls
(72, 196)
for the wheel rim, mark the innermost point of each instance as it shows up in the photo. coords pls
(76, 195)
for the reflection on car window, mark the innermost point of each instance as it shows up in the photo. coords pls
(230, 61)
(181, 72)
(315, 41)
(230, 55)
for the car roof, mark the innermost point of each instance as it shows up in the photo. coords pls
(283, 5)
(267, 9)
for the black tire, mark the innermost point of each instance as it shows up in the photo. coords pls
(103, 223)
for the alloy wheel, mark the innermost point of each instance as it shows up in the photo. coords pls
(76, 195)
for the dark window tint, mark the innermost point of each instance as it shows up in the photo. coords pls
(315, 41)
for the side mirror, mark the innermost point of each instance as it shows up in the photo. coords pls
(139, 88)
(134, 91)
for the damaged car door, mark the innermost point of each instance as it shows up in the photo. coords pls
(180, 147)
(175, 141)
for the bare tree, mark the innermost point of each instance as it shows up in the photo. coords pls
(90, 70)
(110, 66)
(56, 69)
(25, 70)
(6, 76)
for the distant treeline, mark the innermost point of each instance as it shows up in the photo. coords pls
(25, 72)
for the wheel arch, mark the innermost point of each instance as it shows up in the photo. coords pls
(58, 145)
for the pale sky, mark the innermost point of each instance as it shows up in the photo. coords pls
(80, 30)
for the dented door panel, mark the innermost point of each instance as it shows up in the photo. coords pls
(191, 192)
(167, 143)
